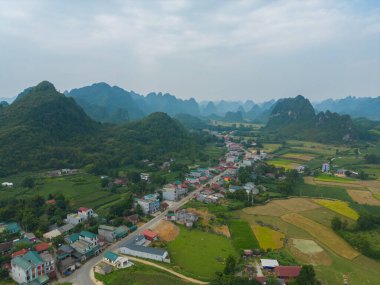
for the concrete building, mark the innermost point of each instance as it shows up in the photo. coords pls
(173, 192)
(135, 247)
(149, 203)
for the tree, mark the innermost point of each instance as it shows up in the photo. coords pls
(139, 210)
(230, 265)
(28, 182)
(271, 281)
(363, 175)
(336, 223)
(307, 276)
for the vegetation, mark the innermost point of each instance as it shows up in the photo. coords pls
(139, 274)
(200, 254)
(242, 235)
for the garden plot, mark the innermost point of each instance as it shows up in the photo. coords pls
(339, 207)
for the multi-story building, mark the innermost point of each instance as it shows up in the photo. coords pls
(82, 215)
(30, 266)
(173, 192)
(149, 203)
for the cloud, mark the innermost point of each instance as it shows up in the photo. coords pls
(151, 41)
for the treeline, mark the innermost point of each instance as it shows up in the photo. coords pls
(372, 158)
(364, 235)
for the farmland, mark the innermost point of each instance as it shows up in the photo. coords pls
(81, 189)
(199, 254)
(340, 207)
(365, 197)
(140, 274)
(268, 238)
(285, 163)
(322, 234)
(308, 243)
(242, 235)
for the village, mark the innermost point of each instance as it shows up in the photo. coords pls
(63, 250)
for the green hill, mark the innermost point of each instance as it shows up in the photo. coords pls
(44, 129)
(296, 118)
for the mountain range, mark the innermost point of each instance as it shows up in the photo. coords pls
(365, 107)
(44, 129)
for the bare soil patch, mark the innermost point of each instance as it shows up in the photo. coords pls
(166, 230)
(363, 197)
(224, 230)
(308, 251)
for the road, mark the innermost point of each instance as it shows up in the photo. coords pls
(82, 275)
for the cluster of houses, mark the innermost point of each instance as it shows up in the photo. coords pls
(271, 267)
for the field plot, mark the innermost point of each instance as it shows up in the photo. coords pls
(268, 238)
(365, 197)
(323, 234)
(267, 210)
(322, 191)
(332, 178)
(324, 216)
(199, 254)
(308, 251)
(140, 274)
(339, 207)
(315, 148)
(271, 147)
(242, 235)
(299, 156)
(296, 204)
(166, 230)
(285, 163)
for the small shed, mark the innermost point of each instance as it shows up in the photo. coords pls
(269, 263)
(150, 235)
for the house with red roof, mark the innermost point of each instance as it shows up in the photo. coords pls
(41, 247)
(20, 252)
(287, 272)
(149, 235)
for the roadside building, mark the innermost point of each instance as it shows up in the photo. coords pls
(149, 203)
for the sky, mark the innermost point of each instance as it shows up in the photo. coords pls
(206, 49)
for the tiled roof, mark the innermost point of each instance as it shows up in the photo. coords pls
(21, 262)
(42, 246)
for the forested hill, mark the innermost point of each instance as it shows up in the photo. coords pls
(296, 117)
(356, 107)
(107, 104)
(43, 129)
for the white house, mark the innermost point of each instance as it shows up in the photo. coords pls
(326, 167)
(82, 215)
(173, 192)
(269, 263)
(133, 247)
(7, 184)
(116, 260)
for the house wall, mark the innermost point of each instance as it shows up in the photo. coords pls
(126, 250)
(109, 236)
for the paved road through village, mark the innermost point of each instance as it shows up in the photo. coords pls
(82, 275)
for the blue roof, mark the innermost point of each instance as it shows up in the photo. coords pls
(33, 257)
(87, 234)
(13, 228)
(73, 238)
(111, 256)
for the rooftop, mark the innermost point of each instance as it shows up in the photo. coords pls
(42, 246)
(287, 271)
(111, 256)
(88, 234)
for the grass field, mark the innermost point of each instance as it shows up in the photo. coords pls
(82, 190)
(285, 163)
(339, 207)
(331, 178)
(315, 148)
(140, 274)
(322, 191)
(268, 238)
(377, 196)
(322, 234)
(199, 254)
(271, 147)
(299, 156)
(242, 235)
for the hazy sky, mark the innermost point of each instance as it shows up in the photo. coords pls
(205, 49)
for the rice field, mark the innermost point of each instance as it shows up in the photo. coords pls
(365, 197)
(339, 207)
(299, 156)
